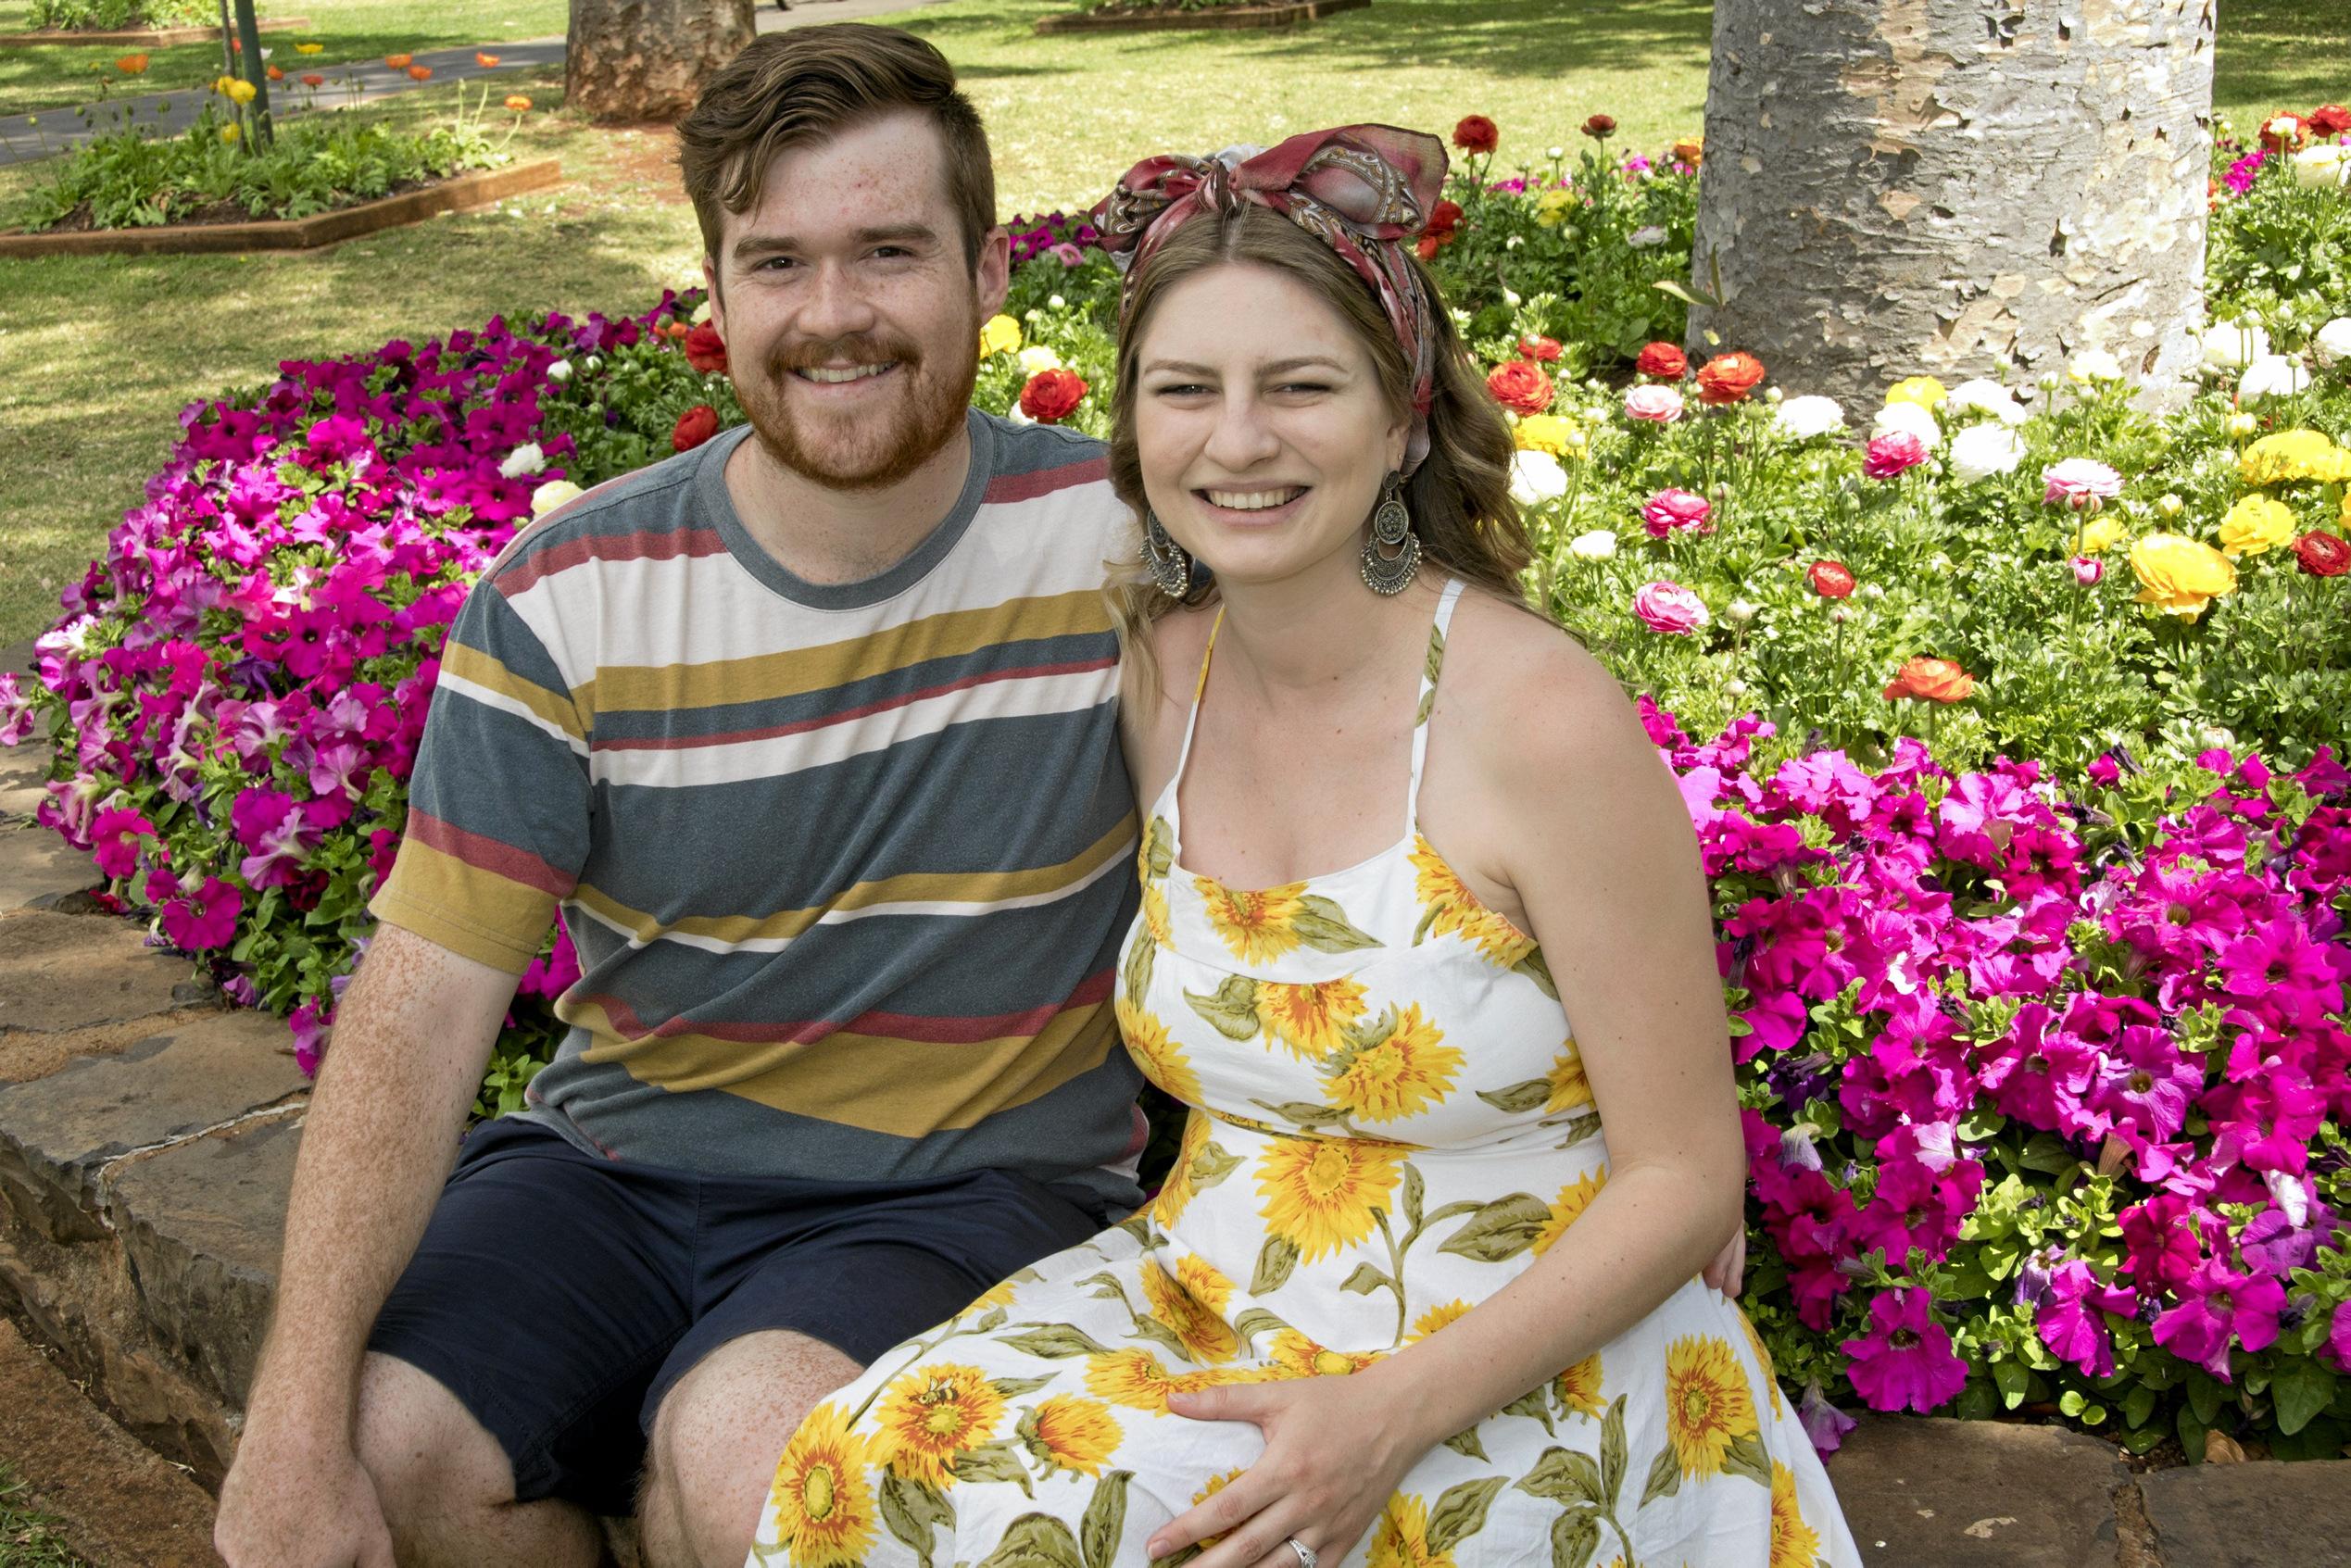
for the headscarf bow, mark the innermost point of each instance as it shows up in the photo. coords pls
(1360, 189)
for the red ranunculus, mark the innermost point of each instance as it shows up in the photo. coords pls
(2329, 119)
(1599, 127)
(1728, 378)
(1831, 579)
(1662, 361)
(2321, 554)
(1534, 346)
(1930, 680)
(1476, 134)
(1052, 395)
(695, 426)
(1520, 385)
(1443, 218)
(705, 350)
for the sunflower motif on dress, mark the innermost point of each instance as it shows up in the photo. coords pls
(1322, 1195)
(1074, 1435)
(820, 1509)
(933, 1416)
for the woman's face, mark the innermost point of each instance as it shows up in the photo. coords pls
(1259, 418)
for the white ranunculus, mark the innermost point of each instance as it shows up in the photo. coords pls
(1536, 477)
(1597, 544)
(1037, 359)
(2273, 375)
(525, 459)
(2231, 345)
(2094, 364)
(1642, 238)
(1984, 397)
(1806, 417)
(1906, 417)
(2323, 167)
(559, 371)
(2332, 344)
(1980, 451)
(551, 494)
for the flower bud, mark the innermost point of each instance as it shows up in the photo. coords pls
(1741, 611)
(2170, 505)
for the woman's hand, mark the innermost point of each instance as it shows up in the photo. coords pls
(1727, 1272)
(1336, 1449)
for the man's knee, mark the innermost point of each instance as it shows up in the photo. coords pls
(426, 1454)
(715, 1440)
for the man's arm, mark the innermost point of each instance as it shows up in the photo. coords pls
(411, 1039)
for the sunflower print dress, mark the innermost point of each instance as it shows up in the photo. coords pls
(1389, 1122)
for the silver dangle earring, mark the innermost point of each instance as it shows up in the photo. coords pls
(1170, 568)
(1391, 529)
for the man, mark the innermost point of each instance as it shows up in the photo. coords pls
(812, 731)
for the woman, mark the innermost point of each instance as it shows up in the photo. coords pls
(1394, 1167)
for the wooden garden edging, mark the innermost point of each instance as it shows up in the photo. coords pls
(144, 37)
(294, 234)
(1237, 18)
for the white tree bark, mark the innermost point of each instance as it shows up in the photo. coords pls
(1956, 187)
(646, 60)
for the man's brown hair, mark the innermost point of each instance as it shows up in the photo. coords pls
(811, 83)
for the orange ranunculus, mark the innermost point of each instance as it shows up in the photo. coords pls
(421, 73)
(277, 73)
(486, 61)
(1728, 378)
(313, 80)
(398, 62)
(1690, 150)
(517, 102)
(1520, 386)
(1930, 680)
(130, 65)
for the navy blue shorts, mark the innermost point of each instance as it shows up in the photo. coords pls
(560, 1296)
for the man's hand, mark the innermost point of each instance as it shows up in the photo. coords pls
(291, 1502)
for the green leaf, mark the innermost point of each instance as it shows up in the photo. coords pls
(1566, 1475)
(1034, 1540)
(1415, 1193)
(1232, 1011)
(1461, 1513)
(1142, 955)
(1322, 925)
(2138, 1405)
(1105, 1519)
(1746, 1457)
(2302, 1388)
(1053, 1341)
(1519, 1098)
(2013, 1380)
(1665, 1477)
(1466, 1444)
(1499, 1230)
(1211, 1165)
(1256, 1321)
(1013, 1388)
(1575, 1538)
(1611, 1452)
(1274, 1262)
(1364, 1280)
(1533, 967)
(911, 1509)
(1534, 1405)
(1159, 848)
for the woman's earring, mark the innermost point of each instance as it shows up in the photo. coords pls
(1169, 566)
(1391, 529)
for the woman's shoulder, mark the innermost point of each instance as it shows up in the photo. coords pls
(1531, 701)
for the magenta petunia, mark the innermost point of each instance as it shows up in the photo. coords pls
(1905, 1361)
(2220, 1306)
(114, 836)
(206, 919)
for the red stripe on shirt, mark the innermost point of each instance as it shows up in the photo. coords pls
(489, 855)
(1012, 487)
(664, 545)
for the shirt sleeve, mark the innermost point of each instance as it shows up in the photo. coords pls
(500, 804)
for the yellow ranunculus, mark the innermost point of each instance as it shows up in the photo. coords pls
(2290, 455)
(2255, 523)
(1000, 334)
(227, 133)
(1543, 432)
(2101, 533)
(1550, 207)
(307, 48)
(1925, 390)
(241, 91)
(2181, 575)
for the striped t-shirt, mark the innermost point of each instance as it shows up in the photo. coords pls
(847, 867)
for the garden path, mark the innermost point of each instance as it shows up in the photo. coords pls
(27, 137)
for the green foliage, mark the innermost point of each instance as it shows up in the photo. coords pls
(113, 16)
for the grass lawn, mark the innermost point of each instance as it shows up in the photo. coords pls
(57, 75)
(97, 356)
(27, 1539)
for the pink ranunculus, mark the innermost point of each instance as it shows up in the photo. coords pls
(1905, 1361)
(1896, 452)
(1653, 404)
(1670, 608)
(1671, 510)
(2088, 569)
(2080, 482)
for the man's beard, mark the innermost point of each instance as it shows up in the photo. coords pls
(870, 448)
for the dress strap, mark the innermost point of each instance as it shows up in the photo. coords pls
(1175, 792)
(1429, 673)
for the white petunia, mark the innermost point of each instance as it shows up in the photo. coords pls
(2273, 375)
(1536, 477)
(1982, 396)
(525, 459)
(1597, 544)
(1806, 417)
(1906, 417)
(1980, 451)
(2332, 344)
(2231, 345)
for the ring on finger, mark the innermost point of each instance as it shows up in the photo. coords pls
(1306, 1558)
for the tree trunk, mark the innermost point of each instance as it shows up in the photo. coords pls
(646, 60)
(1956, 187)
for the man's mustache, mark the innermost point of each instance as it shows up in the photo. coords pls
(814, 353)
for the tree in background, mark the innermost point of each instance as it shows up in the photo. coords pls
(646, 60)
(1966, 187)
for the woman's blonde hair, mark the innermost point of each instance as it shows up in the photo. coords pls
(1458, 498)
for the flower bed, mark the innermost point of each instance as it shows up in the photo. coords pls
(2022, 806)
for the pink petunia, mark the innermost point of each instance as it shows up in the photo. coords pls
(206, 919)
(2072, 1317)
(115, 837)
(2218, 1306)
(1905, 1361)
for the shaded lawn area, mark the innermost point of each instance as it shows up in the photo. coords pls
(57, 75)
(28, 1537)
(97, 356)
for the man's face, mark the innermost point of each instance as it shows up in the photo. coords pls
(850, 318)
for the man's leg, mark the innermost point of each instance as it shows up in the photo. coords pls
(715, 1440)
(447, 1488)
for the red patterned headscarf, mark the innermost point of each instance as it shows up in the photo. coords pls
(1361, 189)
